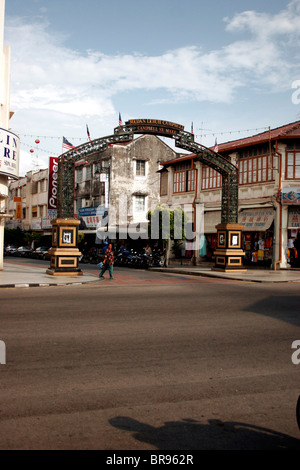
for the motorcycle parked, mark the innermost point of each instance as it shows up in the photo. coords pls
(157, 258)
(122, 257)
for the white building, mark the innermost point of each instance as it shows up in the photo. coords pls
(9, 142)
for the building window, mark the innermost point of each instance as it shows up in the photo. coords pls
(211, 179)
(88, 173)
(179, 182)
(43, 186)
(184, 181)
(140, 168)
(34, 187)
(256, 170)
(292, 165)
(34, 211)
(140, 204)
(78, 175)
(164, 183)
(41, 211)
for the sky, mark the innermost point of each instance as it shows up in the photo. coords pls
(231, 68)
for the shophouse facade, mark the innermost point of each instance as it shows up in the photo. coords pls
(269, 194)
(31, 213)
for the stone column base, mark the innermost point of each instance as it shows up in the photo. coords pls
(64, 254)
(229, 253)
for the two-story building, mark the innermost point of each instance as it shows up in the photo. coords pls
(32, 191)
(269, 194)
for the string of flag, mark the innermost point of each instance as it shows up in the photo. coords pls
(37, 148)
(67, 145)
(231, 132)
(192, 131)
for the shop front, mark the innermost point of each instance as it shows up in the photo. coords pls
(293, 236)
(257, 236)
(211, 220)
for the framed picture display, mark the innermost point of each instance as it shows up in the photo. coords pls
(221, 239)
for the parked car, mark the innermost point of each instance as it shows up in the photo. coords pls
(41, 253)
(10, 250)
(23, 251)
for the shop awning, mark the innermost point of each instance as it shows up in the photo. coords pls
(256, 220)
(211, 219)
(294, 218)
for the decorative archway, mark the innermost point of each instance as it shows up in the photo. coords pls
(184, 140)
(229, 252)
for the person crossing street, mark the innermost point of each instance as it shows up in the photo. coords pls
(108, 263)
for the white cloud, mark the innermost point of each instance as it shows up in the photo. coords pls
(47, 75)
(267, 26)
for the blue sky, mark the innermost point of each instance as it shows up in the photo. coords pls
(228, 67)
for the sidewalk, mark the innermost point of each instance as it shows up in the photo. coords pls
(16, 274)
(22, 275)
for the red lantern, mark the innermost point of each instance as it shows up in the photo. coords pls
(31, 150)
(37, 141)
(86, 162)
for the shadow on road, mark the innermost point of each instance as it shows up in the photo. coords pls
(190, 434)
(284, 308)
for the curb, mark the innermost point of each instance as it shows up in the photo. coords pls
(197, 273)
(225, 276)
(44, 284)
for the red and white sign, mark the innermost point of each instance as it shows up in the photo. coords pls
(53, 186)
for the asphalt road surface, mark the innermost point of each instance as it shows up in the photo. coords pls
(150, 361)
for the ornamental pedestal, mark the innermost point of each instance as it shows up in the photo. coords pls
(229, 253)
(64, 253)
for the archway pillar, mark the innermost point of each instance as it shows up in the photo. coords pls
(229, 253)
(64, 254)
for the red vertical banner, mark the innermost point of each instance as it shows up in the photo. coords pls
(53, 186)
(18, 210)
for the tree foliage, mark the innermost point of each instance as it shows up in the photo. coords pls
(166, 224)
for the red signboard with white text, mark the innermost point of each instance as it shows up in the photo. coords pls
(53, 187)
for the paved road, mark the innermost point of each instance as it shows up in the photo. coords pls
(152, 361)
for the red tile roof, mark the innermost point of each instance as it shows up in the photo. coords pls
(190, 156)
(288, 131)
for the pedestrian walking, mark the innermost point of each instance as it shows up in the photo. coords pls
(297, 250)
(108, 263)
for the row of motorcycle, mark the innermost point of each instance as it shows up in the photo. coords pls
(139, 259)
(130, 258)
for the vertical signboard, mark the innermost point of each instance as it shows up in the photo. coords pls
(18, 201)
(9, 153)
(53, 187)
